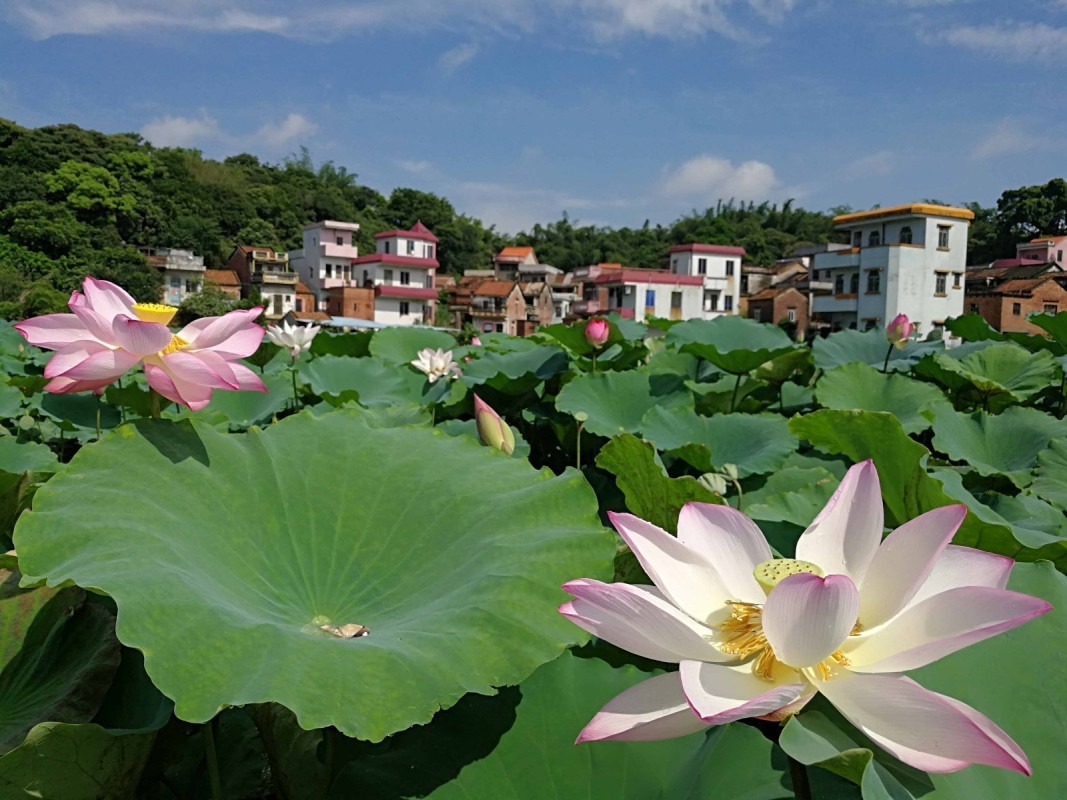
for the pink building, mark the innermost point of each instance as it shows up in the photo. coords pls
(325, 262)
(1042, 250)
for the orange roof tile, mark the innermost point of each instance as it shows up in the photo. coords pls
(515, 252)
(494, 288)
(221, 277)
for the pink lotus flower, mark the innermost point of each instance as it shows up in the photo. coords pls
(756, 636)
(476, 342)
(492, 430)
(108, 334)
(597, 331)
(899, 331)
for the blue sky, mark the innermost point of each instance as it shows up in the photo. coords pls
(615, 111)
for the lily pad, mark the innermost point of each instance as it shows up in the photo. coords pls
(999, 374)
(258, 589)
(793, 494)
(371, 381)
(520, 746)
(402, 345)
(734, 344)
(861, 386)
(616, 402)
(516, 372)
(994, 444)
(1050, 477)
(867, 347)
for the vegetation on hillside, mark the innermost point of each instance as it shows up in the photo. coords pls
(74, 201)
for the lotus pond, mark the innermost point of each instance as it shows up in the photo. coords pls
(348, 586)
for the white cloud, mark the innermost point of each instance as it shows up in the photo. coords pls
(453, 59)
(290, 130)
(414, 166)
(327, 19)
(172, 131)
(874, 165)
(708, 178)
(1008, 137)
(1030, 42)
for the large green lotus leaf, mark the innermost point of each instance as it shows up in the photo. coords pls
(240, 410)
(17, 457)
(469, 428)
(821, 736)
(868, 347)
(781, 368)
(861, 386)
(74, 762)
(791, 494)
(993, 444)
(343, 344)
(77, 410)
(722, 396)
(1017, 680)
(520, 745)
(1056, 327)
(1000, 369)
(57, 657)
(573, 338)
(755, 444)
(734, 344)
(616, 402)
(370, 380)
(650, 493)
(402, 345)
(10, 400)
(1050, 477)
(974, 328)
(670, 362)
(516, 372)
(225, 555)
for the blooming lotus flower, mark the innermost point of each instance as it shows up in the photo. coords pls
(899, 331)
(436, 364)
(294, 338)
(492, 430)
(756, 636)
(108, 333)
(597, 331)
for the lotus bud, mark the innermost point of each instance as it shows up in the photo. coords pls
(597, 331)
(899, 331)
(492, 430)
(476, 342)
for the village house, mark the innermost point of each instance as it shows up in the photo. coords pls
(719, 267)
(906, 259)
(778, 304)
(225, 280)
(269, 274)
(325, 260)
(1005, 296)
(637, 293)
(182, 272)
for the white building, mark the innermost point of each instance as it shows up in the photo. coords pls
(907, 259)
(719, 268)
(402, 272)
(182, 271)
(325, 261)
(638, 293)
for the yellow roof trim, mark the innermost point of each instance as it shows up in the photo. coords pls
(927, 209)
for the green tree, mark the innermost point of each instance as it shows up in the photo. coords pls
(210, 301)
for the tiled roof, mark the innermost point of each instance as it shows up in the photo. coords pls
(418, 231)
(312, 316)
(302, 288)
(494, 288)
(221, 277)
(713, 249)
(515, 252)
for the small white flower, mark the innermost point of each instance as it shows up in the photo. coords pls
(294, 338)
(436, 364)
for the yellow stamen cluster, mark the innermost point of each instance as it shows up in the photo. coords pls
(176, 343)
(744, 630)
(154, 312)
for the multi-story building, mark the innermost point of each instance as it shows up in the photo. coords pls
(638, 294)
(401, 271)
(182, 271)
(719, 268)
(268, 273)
(1043, 250)
(906, 259)
(1006, 296)
(325, 260)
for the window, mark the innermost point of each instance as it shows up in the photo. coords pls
(299, 304)
(729, 268)
(942, 237)
(1059, 255)
(175, 283)
(791, 314)
(1050, 308)
(711, 300)
(874, 238)
(500, 327)
(650, 298)
(676, 299)
(939, 286)
(905, 235)
(874, 282)
(839, 284)
(956, 279)
(857, 238)
(1016, 309)
(411, 246)
(405, 278)
(405, 308)
(728, 303)
(974, 308)
(429, 251)
(854, 283)
(387, 247)
(387, 276)
(487, 327)
(288, 298)
(702, 266)
(756, 313)
(340, 240)
(329, 270)
(674, 265)
(366, 277)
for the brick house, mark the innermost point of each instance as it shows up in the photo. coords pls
(1005, 296)
(225, 280)
(776, 304)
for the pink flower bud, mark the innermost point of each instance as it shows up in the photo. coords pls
(899, 331)
(492, 430)
(476, 342)
(597, 331)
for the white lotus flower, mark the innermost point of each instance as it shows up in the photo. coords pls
(436, 364)
(294, 338)
(756, 636)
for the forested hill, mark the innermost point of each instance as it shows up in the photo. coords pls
(71, 199)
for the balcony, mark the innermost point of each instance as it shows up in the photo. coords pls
(585, 307)
(488, 313)
(286, 276)
(413, 292)
(834, 303)
(331, 250)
